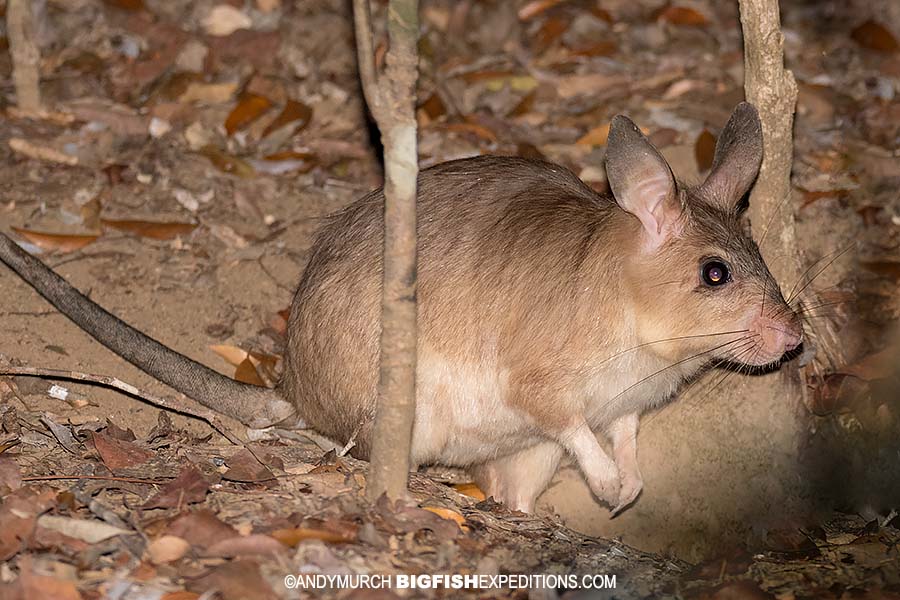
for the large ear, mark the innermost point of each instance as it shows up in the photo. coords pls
(641, 181)
(739, 153)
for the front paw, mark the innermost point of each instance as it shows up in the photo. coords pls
(606, 488)
(630, 488)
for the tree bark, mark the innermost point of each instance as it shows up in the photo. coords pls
(772, 89)
(25, 55)
(391, 99)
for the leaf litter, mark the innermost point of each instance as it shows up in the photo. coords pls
(273, 102)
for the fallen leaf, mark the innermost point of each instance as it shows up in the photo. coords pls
(188, 488)
(10, 476)
(150, 229)
(54, 242)
(450, 515)
(62, 434)
(295, 114)
(536, 7)
(433, 107)
(249, 108)
(682, 15)
(200, 528)
(117, 454)
(874, 36)
(86, 530)
(132, 5)
(166, 549)
(225, 19)
(232, 354)
(595, 137)
(35, 586)
(227, 163)
(246, 545)
(243, 467)
(288, 161)
(18, 514)
(180, 595)
(705, 150)
(595, 49)
(208, 93)
(292, 537)
(470, 489)
(237, 580)
(246, 373)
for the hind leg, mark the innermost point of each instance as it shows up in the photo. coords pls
(517, 479)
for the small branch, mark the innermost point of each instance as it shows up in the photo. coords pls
(213, 419)
(99, 477)
(25, 55)
(365, 56)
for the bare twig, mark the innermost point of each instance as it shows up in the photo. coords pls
(213, 419)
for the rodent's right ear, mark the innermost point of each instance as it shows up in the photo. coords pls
(641, 181)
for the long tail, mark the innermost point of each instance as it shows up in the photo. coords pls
(252, 405)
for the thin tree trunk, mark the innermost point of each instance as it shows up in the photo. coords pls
(772, 89)
(391, 99)
(25, 55)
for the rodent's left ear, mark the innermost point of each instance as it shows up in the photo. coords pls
(739, 153)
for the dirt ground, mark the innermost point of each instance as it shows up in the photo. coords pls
(192, 150)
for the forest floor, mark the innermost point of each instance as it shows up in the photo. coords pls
(192, 150)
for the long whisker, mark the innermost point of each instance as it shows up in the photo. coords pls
(672, 339)
(794, 294)
(675, 364)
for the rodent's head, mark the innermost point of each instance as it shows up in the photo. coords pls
(697, 278)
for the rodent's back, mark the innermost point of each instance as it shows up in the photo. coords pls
(491, 231)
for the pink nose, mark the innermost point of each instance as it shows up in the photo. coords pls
(778, 336)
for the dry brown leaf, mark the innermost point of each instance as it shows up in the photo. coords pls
(35, 586)
(705, 150)
(595, 49)
(450, 515)
(227, 163)
(289, 161)
(246, 545)
(117, 454)
(10, 476)
(232, 354)
(595, 137)
(292, 537)
(150, 229)
(180, 595)
(875, 36)
(246, 373)
(166, 549)
(296, 114)
(471, 490)
(133, 5)
(536, 7)
(683, 15)
(189, 487)
(249, 108)
(551, 30)
(244, 467)
(200, 528)
(433, 107)
(56, 242)
(237, 580)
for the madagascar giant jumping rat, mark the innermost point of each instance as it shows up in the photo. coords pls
(548, 313)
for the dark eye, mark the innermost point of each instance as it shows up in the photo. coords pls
(715, 272)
